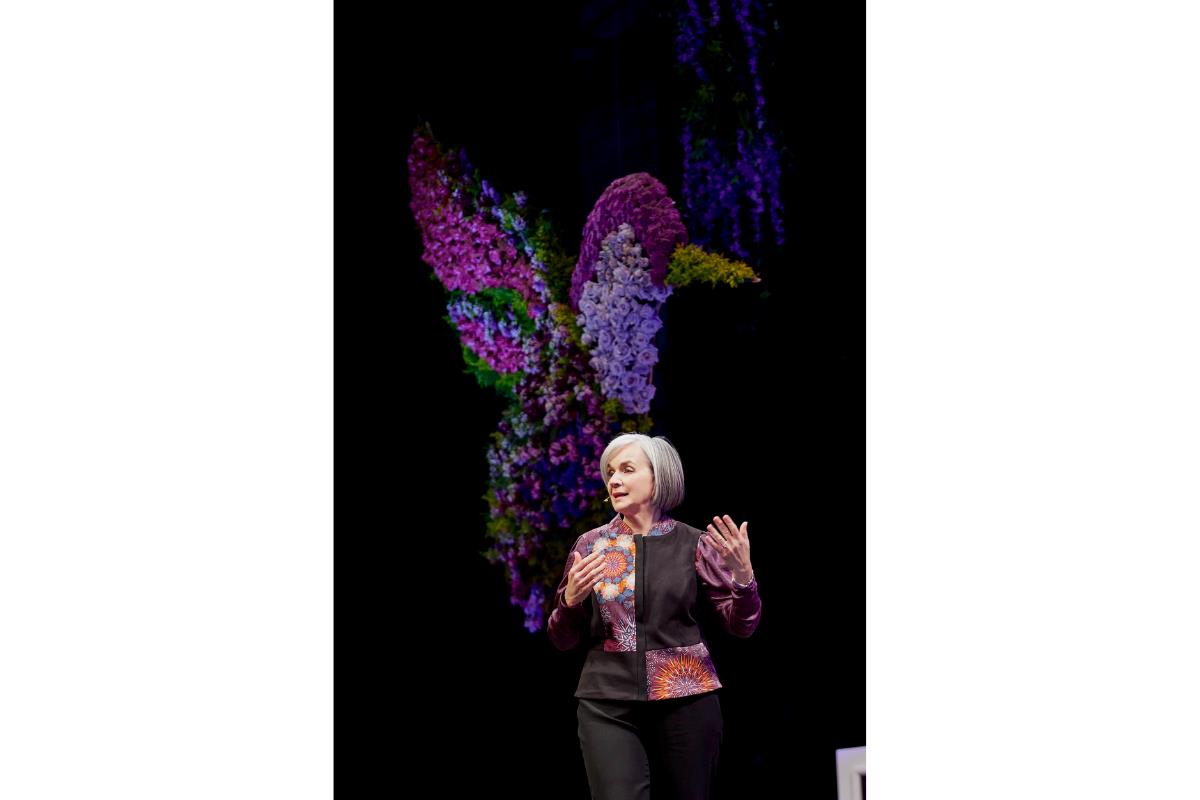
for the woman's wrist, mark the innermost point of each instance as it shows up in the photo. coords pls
(742, 584)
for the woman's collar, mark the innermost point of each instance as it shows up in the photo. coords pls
(664, 526)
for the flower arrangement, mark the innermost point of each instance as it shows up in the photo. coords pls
(497, 335)
(619, 315)
(569, 341)
(689, 264)
(730, 178)
(467, 250)
(643, 203)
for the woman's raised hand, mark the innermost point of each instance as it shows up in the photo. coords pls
(732, 545)
(582, 575)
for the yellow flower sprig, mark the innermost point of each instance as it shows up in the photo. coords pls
(690, 264)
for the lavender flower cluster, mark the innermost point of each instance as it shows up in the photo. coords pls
(642, 201)
(619, 317)
(539, 483)
(518, 231)
(527, 595)
(729, 183)
(497, 339)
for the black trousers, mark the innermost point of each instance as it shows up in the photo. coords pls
(651, 750)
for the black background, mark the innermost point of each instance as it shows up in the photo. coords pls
(761, 389)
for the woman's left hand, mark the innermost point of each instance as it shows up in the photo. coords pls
(733, 545)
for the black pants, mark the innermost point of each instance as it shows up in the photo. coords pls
(670, 744)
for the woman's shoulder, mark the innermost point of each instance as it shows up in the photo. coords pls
(586, 538)
(689, 530)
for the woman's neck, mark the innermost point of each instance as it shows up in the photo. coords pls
(641, 522)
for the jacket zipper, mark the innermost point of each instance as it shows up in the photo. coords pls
(639, 594)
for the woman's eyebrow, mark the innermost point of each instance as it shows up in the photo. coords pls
(626, 461)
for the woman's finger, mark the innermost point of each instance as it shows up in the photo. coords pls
(720, 552)
(591, 558)
(733, 527)
(719, 540)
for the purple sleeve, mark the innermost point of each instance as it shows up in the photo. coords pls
(739, 609)
(567, 625)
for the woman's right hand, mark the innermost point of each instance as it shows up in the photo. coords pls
(582, 576)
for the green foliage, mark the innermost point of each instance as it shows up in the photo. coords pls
(564, 316)
(503, 384)
(640, 423)
(499, 300)
(558, 264)
(689, 264)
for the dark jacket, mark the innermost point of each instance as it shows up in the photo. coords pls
(639, 623)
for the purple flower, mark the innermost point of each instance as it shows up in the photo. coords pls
(466, 251)
(623, 327)
(642, 202)
(730, 187)
(498, 341)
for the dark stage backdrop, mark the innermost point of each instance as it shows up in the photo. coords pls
(760, 388)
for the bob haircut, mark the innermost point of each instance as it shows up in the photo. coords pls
(665, 466)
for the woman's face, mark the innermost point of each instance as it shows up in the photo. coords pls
(630, 481)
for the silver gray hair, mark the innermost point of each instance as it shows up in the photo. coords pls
(665, 466)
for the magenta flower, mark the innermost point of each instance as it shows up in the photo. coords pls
(642, 202)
